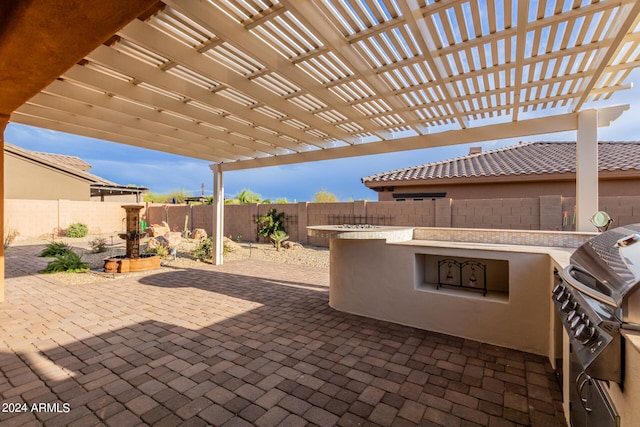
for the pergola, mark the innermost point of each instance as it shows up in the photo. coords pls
(253, 83)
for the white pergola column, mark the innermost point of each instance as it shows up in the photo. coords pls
(218, 213)
(586, 169)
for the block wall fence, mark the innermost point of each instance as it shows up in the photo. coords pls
(45, 218)
(48, 218)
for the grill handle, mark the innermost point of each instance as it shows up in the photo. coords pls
(580, 389)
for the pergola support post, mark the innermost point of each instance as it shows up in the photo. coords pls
(586, 169)
(218, 213)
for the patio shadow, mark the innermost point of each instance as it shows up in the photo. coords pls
(221, 347)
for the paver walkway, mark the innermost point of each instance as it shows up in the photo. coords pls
(246, 343)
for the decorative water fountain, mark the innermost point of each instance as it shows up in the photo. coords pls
(132, 260)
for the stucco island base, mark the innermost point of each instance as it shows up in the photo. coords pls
(396, 281)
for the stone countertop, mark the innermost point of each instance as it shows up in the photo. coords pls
(559, 255)
(390, 234)
(407, 236)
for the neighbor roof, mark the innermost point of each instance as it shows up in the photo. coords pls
(255, 83)
(73, 161)
(523, 159)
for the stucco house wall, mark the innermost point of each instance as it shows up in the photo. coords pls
(49, 176)
(27, 179)
(609, 184)
(522, 171)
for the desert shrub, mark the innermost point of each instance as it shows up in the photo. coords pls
(55, 248)
(271, 222)
(77, 229)
(98, 245)
(204, 250)
(159, 250)
(323, 196)
(68, 262)
(9, 237)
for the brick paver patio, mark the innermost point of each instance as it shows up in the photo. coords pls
(246, 343)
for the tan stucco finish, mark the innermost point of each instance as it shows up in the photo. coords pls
(379, 280)
(4, 120)
(610, 184)
(26, 179)
(41, 39)
(626, 401)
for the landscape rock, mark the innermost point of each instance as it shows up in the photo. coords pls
(173, 239)
(291, 245)
(156, 230)
(230, 244)
(199, 233)
(155, 242)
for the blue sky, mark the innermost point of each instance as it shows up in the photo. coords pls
(163, 172)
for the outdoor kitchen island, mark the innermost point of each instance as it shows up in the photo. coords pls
(412, 276)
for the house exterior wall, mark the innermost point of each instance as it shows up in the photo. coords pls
(485, 189)
(30, 180)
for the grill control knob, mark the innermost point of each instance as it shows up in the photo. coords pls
(568, 305)
(558, 288)
(571, 316)
(577, 322)
(562, 295)
(585, 333)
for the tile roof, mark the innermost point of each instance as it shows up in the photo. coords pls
(535, 158)
(72, 161)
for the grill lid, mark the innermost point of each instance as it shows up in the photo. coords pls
(613, 259)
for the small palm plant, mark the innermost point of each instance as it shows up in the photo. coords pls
(278, 237)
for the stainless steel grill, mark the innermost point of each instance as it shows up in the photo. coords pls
(608, 270)
(596, 296)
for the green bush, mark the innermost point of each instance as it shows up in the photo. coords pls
(160, 250)
(204, 250)
(68, 262)
(271, 222)
(54, 249)
(77, 229)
